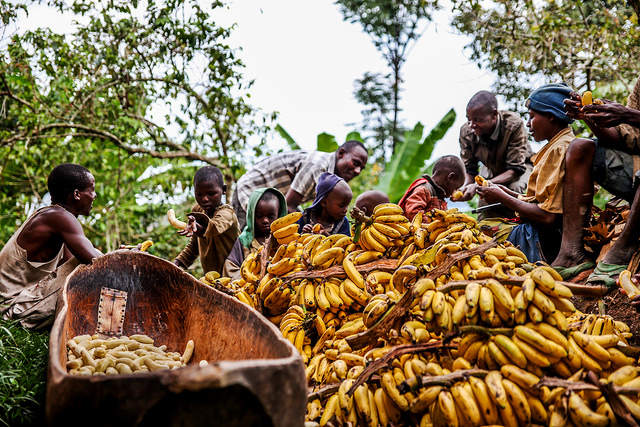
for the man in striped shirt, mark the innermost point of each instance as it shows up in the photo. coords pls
(295, 174)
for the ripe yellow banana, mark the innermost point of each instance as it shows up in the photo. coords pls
(285, 221)
(171, 216)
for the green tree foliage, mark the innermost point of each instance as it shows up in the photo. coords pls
(393, 25)
(140, 93)
(408, 163)
(587, 44)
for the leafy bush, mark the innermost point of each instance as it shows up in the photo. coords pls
(23, 375)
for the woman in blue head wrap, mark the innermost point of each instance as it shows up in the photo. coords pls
(329, 209)
(265, 206)
(540, 209)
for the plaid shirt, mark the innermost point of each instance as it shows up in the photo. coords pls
(298, 170)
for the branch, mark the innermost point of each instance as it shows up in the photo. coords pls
(89, 131)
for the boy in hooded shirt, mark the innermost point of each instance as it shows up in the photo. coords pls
(265, 206)
(329, 209)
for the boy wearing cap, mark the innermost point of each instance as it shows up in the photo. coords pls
(329, 209)
(541, 207)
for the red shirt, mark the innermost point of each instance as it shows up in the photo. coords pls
(423, 195)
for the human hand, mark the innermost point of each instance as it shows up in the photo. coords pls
(573, 106)
(307, 228)
(491, 194)
(191, 228)
(468, 191)
(605, 115)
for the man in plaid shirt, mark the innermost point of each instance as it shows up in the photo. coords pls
(295, 174)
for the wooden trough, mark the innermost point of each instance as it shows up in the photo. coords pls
(254, 376)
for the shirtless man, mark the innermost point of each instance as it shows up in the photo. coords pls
(50, 238)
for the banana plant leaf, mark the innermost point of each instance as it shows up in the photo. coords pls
(408, 162)
(285, 135)
(327, 143)
(354, 136)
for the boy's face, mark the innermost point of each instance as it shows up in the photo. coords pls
(448, 180)
(266, 212)
(482, 120)
(337, 201)
(540, 126)
(208, 195)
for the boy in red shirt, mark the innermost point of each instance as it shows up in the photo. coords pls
(428, 192)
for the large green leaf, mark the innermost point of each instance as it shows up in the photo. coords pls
(327, 143)
(290, 141)
(408, 162)
(354, 136)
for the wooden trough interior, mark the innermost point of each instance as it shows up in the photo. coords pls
(253, 376)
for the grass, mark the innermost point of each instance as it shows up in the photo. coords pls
(23, 375)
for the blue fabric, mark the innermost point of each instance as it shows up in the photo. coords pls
(525, 236)
(550, 99)
(326, 182)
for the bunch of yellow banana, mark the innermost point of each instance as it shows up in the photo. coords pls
(324, 252)
(447, 227)
(293, 326)
(388, 229)
(377, 307)
(499, 262)
(285, 229)
(287, 259)
(543, 299)
(275, 295)
(250, 268)
(212, 278)
(490, 303)
(436, 309)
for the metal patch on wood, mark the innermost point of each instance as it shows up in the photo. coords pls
(113, 304)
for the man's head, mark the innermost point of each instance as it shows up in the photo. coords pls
(482, 113)
(209, 186)
(71, 184)
(449, 173)
(368, 200)
(351, 158)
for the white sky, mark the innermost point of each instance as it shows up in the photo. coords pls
(304, 59)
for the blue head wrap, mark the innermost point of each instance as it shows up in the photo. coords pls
(549, 99)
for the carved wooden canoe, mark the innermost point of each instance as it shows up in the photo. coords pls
(254, 376)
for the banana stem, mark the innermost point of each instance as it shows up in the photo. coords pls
(323, 392)
(415, 383)
(602, 307)
(397, 351)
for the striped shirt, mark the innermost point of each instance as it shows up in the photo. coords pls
(298, 170)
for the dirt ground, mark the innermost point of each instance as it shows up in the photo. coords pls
(617, 306)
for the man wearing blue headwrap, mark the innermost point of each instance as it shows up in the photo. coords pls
(612, 160)
(540, 209)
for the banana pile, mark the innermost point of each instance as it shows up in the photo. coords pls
(515, 324)
(91, 355)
